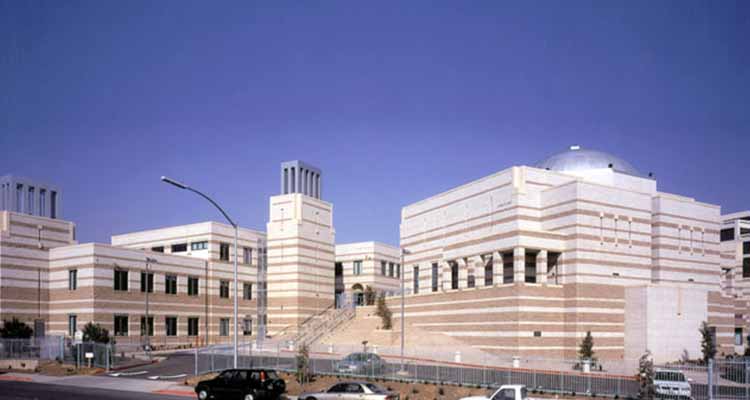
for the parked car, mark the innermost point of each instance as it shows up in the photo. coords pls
(351, 391)
(242, 384)
(671, 384)
(506, 392)
(361, 364)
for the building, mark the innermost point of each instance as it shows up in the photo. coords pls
(367, 264)
(526, 261)
(23, 195)
(735, 265)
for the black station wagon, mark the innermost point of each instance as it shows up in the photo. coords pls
(242, 384)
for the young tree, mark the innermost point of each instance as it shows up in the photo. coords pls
(586, 351)
(383, 312)
(15, 329)
(646, 377)
(95, 333)
(708, 347)
(303, 364)
(370, 295)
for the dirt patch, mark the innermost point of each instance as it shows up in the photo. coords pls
(53, 368)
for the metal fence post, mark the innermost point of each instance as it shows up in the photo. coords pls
(106, 356)
(747, 378)
(711, 379)
(196, 361)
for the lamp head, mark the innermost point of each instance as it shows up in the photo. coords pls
(173, 182)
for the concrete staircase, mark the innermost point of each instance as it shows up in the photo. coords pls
(310, 331)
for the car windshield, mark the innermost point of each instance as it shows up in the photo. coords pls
(375, 388)
(354, 357)
(672, 376)
(272, 375)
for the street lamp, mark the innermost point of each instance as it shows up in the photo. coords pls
(149, 286)
(403, 269)
(234, 225)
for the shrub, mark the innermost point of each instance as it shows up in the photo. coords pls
(303, 364)
(646, 377)
(15, 329)
(95, 333)
(441, 391)
(708, 347)
(370, 295)
(383, 312)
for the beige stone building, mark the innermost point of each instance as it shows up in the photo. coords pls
(363, 264)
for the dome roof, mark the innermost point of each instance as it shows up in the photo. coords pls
(578, 160)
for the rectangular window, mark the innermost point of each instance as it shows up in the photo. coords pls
(454, 274)
(488, 272)
(159, 249)
(224, 327)
(470, 281)
(382, 267)
(224, 289)
(19, 197)
(434, 277)
(42, 202)
(390, 269)
(53, 204)
(247, 255)
(72, 324)
(247, 291)
(30, 201)
(738, 336)
(224, 252)
(193, 326)
(170, 324)
(73, 279)
(357, 267)
(121, 325)
(746, 267)
(121, 280)
(727, 234)
(530, 267)
(150, 325)
(508, 267)
(416, 279)
(198, 246)
(398, 271)
(247, 326)
(746, 248)
(192, 286)
(170, 284)
(179, 248)
(147, 281)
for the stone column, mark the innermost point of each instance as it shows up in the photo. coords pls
(497, 268)
(519, 264)
(541, 267)
(463, 272)
(445, 283)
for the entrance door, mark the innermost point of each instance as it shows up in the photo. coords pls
(338, 285)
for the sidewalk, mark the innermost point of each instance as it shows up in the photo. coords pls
(106, 382)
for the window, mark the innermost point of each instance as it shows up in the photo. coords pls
(179, 248)
(530, 267)
(192, 286)
(247, 326)
(738, 336)
(150, 326)
(72, 324)
(121, 325)
(224, 327)
(224, 289)
(121, 280)
(30, 202)
(247, 291)
(159, 249)
(53, 204)
(434, 277)
(247, 255)
(170, 284)
(454, 274)
(357, 267)
(416, 279)
(488, 277)
(508, 267)
(224, 252)
(73, 279)
(390, 269)
(537, 333)
(199, 246)
(382, 267)
(398, 271)
(727, 234)
(746, 267)
(193, 326)
(42, 203)
(746, 248)
(470, 281)
(19, 197)
(147, 281)
(170, 324)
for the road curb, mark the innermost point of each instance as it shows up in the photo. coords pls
(184, 393)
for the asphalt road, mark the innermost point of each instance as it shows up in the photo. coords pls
(36, 391)
(174, 364)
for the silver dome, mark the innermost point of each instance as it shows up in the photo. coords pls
(577, 159)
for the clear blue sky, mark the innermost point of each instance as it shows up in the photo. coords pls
(394, 101)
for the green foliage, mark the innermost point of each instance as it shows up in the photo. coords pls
(15, 329)
(384, 312)
(586, 351)
(708, 347)
(370, 295)
(95, 333)
(646, 389)
(303, 364)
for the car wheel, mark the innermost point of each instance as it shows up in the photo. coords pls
(203, 394)
(249, 397)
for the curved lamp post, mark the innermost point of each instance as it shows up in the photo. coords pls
(236, 322)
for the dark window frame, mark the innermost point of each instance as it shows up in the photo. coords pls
(120, 324)
(121, 280)
(170, 284)
(224, 289)
(168, 331)
(193, 287)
